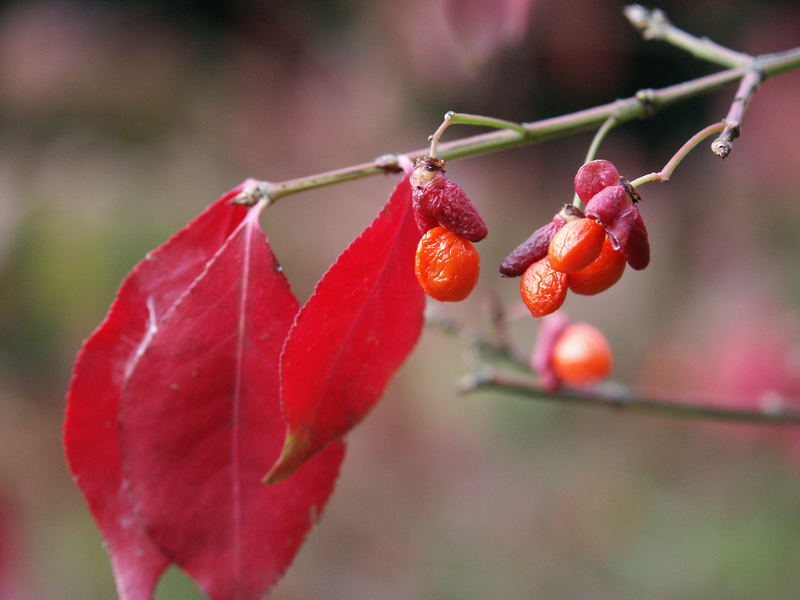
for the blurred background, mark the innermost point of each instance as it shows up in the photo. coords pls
(121, 120)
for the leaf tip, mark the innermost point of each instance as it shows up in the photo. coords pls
(296, 450)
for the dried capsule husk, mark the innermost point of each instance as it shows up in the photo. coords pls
(637, 250)
(593, 177)
(615, 206)
(426, 168)
(532, 249)
(441, 200)
(424, 221)
(606, 204)
(535, 247)
(628, 233)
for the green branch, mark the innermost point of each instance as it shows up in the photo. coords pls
(528, 387)
(642, 105)
(654, 25)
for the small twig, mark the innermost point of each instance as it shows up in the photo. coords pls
(437, 135)
(454, 118)
(641, 105)
(486, 348)
(499, 321)
(655, 25)
(690, 144)
(602, 132)
(528, 387)
(723, 145)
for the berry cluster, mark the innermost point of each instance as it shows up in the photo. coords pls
(584, 251)
(574, 354)
(447, 265)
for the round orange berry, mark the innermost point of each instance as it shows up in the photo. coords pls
(543, 289)
(581, 355)
(601, 274)
(576, 245)
(447, 266)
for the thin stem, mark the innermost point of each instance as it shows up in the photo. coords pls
(437, 135)
(665, 173)
(467, 119)
(641, 105)
(503, 345)
(723, 145)
(607, 126)
(655, 25)
(486, 349)
(454, 118)
(528, 387)
(387, 163)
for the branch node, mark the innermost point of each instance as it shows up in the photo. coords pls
(389, 163)
(721, 147)
(655, 25)
(637, 15)
(253, 193)
(645, 103)
(651, 23)
(647, 100)
(482, 377)
(770, 411)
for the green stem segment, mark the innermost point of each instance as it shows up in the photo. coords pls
(384, 164)
(642, 105)
(744, 68)
(723, 145)
(528, 387)
(454, 118)
(665, 173)
(654, 25)
(610, 397)
(599, 137)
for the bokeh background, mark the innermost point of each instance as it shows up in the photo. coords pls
(121, 120)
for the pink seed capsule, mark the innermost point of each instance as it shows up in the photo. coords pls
(606, 204)
(424, 222)
(593, 177)
(443, 201)
(438, 201)
(628, 233)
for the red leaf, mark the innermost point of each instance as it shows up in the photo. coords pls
(200, 421)
(103, 367)
(355, 331)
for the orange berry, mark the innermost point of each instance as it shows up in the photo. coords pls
(576, 245)
(604, 272)
(581, 355)
(543, 289)
(446, 265)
